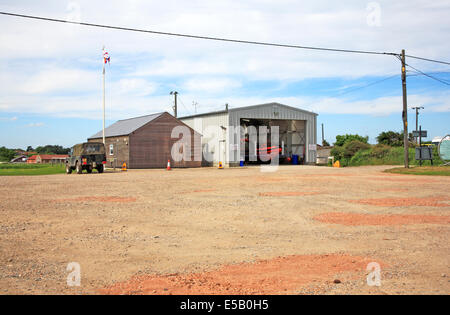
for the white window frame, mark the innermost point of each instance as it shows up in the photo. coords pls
(111, 149)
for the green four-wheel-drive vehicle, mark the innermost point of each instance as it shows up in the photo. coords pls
(86, 156)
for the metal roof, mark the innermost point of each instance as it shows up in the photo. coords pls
(126, 126)
(248, 107)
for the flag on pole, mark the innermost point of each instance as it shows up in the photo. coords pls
(106, 57)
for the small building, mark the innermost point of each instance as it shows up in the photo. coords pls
(51, 158)
(297, 132)
(436, 140)
(47, 159)
(147, 142)
(20, 159)
(323, 153)
(32, 159)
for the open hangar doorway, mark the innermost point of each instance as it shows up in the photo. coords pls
(291, 142)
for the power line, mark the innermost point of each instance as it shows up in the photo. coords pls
(182, 103)
(362, 87)
(429, 76)
(198, 36)
(434, 72)
(431, 60)
(219, 38)
(367, 85)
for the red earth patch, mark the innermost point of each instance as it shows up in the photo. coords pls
(275, 276)
(399, 202)
(393, 190)
(353, 219)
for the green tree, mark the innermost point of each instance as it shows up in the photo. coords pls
(52, 149)
(6, 154)
(325, 143)
(392, 138)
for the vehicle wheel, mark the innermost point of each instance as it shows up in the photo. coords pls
(68, 169)
(89, 170)
(100, 169)
(79, 168)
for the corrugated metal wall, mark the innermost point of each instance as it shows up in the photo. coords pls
(205, 125)
(278, 111)
(233, 116)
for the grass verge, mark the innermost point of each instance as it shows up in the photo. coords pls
(421, 170)
(30, 169)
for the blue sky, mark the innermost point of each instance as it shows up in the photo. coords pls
(50, 74)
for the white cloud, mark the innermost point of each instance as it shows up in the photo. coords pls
(32, 125)
(60, 80)
(54, 69)
(8, 118)
(211, 85)
(124, 106)
(137, 87)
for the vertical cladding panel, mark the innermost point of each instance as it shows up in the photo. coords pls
(151, 145)
(206, 126)
(120, 150)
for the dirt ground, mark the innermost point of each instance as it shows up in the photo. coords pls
(300, 230)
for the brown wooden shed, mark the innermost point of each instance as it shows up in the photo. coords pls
(146, 142)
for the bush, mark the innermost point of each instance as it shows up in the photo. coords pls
(337, 152)
(362, 157)
(342, 140)
(380, 151)
(352, 147)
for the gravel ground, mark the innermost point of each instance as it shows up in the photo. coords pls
(192, 224)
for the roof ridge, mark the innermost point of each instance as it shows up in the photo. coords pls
(142, 116)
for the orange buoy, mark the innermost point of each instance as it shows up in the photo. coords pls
(168, 165)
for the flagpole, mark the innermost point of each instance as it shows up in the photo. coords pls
(104, 142)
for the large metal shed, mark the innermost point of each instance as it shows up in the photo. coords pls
(298, 129)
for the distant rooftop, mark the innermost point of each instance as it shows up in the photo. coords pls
(126, 126)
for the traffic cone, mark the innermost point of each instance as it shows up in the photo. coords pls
(168, 165)
(220, 165)
(124, 167)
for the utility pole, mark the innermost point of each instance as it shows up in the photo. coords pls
(195, 106)
(104, 62)
(405, 111)
(323, 135)
(175, 110)
(417, 116)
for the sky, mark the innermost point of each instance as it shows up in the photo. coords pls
(51, 73)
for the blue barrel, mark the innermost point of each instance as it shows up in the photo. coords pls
(241, 164)
(294, 159)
